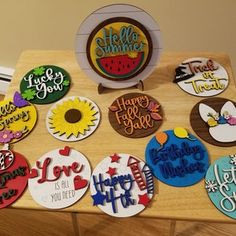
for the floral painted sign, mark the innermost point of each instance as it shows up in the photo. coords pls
(17, 119)
(73, 118)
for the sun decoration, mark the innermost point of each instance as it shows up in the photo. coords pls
(73, 118)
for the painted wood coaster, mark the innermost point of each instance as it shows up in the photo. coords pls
(220, 184)
(59, 178)
(45, 84)
(73, 118)
(135, 115)
(214, 121)
(17, 119)
(202, 77)
(14, 172)
(121, 185)
(118, 45)
(177, 158)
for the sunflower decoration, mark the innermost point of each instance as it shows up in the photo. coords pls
(73, 118)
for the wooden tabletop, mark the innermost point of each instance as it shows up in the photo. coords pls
(190, 203)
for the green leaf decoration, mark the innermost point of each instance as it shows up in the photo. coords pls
(66, 83)
(29, 94)
(39, 71)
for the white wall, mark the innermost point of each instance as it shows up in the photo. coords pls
(187, 25)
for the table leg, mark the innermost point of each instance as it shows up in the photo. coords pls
(172, 227)
(75, 224)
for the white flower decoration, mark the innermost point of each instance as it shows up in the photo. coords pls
(233, 159)
(211, 186)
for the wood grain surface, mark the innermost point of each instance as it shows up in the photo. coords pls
(30, 222)
(190, 203)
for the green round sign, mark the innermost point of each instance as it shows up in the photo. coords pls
(45, 84)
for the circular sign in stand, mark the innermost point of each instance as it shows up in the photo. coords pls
(118, 45)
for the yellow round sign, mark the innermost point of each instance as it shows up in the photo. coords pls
(119, 48)
(17, 119)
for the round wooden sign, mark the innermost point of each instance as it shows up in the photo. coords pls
(14, 172)
(59, 178)
(214, 120)
(135, 115)
(201, 77)
(122, 185)
(177, 158)
(220, 184)
(45, 84)
(116, 50)
(73, 118)
(17, 119)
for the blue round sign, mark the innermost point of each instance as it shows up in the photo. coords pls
(177, 158)
(220, 183)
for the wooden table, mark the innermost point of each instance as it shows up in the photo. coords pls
(189, 203)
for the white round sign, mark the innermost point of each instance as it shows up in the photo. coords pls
(201, 77)
(121, 185)
(118, 45)
(59, 178)
(73, 118)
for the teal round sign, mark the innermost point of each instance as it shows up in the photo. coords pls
(45, 84)
(220, 183)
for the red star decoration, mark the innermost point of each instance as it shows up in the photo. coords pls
(111, 171)
(115, 158)
(144, 199)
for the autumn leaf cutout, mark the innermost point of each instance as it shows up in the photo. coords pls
(153, 108)
(113, 108)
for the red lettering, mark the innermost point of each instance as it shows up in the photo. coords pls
(74, 167)
(200, 67)
(44, 169)
(57, 170)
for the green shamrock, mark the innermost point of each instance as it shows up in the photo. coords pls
(29, 94)
(39, 71)
(66, 83)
